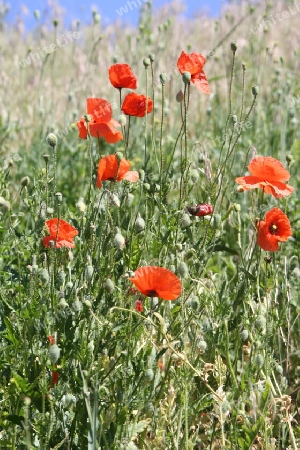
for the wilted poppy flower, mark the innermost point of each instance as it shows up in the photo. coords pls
(62, 238)
(268, 174)
(121, 76)
(135, 105)
(200, 210)
(154, 281)
(193, 64)
(275, 228)
(99, 121)
(111, 168)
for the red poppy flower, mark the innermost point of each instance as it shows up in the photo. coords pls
(51, 339)
(112, 169)
(121, 76)
(268, 174)
(99, 121)
(200, 210)
(135, 105)
(54, 379)
(193, 64)
(64, 236)
(139, 306)
(154, 281)
(275, 228)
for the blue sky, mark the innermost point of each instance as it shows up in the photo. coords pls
(110, 10)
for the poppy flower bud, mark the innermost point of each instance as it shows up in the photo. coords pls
(259, 361)
(4, 205)
(147, 187)
(58, 197)
(96, 18)
(36, 14)
(185, 220)
(202, 345)
(244, 66)
(51, 140)
(119, 156)
(69, 285)
(109, 285)
(194, 174)
(240, 189)
(186, 77)
(61, 278)
(139, 306)
(122, 119)
(139, 224)
(142, 174)
(149, 375)
(25, 181)
(255, 90)
(189, 254)
(179, 96)
(146, 62)
(233, 46)
(80, 205)
(183, 269)
(55, 22)
(77, 305)
(237, 207)
(234, 119)
(114, 199)
(261, 323)
(129, 199)
(89, 271)
(119, 241)
(152, 57)
(54, 353)
(62, 304)
(163, 78)
(44, 276)
(244, 335)
(289, 158)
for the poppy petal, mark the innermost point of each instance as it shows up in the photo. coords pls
(192, 63)
(248, 182)
(109, 168)
(132, 176)
(107, 131)
(65, 230)
(61, 242)
(278, 189)
(201, 83)
(135, 105)
(100, 109)
(268, 168)
(81, 125)
(157, 281)
(121, 76)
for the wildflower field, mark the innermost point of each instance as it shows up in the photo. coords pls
(149, 231)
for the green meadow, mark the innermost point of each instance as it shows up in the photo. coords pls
(149, 242)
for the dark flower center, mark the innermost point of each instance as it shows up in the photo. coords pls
(273, 228)
(152, 293)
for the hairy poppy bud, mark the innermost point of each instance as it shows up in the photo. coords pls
(37, 14)
(46, 158)
(237, 207)
(80, 205)
(54, 353)
(259, 361)
(260, 323)
(109, 285)
(44, 276)
(77, 305)
(186, 77)
(194, 174)
(183, 269)
(51, 140)
(163, 78)
(152, 57)
(25, 181)
(55, 22)
(4, 205)
(147, 187)
(119, 156)
(185, 220)
(244, 335)
(129, 199)
(202, 345)
(61, 278)
(139, 224)
(233, 46)
(58, 197)
(146, 62)
(149, 375)
(255, 90)
(122, 119)
(89, 271)
(179, 97)
(119, 241)
(62, 304)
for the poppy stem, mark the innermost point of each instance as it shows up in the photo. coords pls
(153, 99)
(127, 136)
(145, 133)
(160, 150)
(122, 126)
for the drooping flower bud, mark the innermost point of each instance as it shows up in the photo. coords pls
(51, 140)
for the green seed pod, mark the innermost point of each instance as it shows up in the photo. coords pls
(146, 62)
(109, 285)
(147, 187)
(244, 335)
(186, 77)
(237, 207)
(139, 224)
(54, 353)
(77, 305)
(87, 303)
(51, 140)
(185, 220)
(202, 345)
(44, 276)
(36, 14)
(152, 57)
(183, 269)
(149, 375)
(260, 322)
(55, 22)
(89, 271)
(25, 181)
